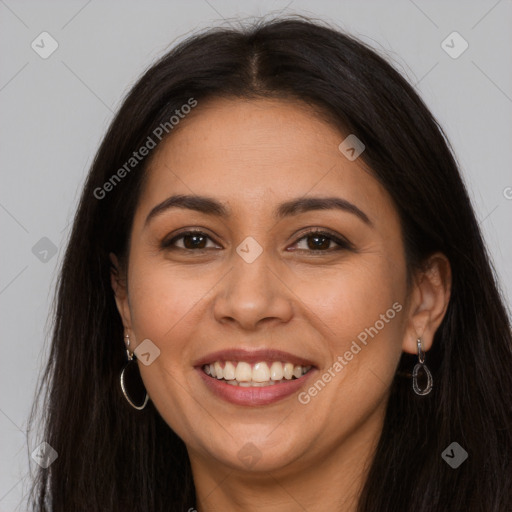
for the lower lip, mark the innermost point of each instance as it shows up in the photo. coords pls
(252, 396)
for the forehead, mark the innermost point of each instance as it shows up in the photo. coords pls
(254, 153)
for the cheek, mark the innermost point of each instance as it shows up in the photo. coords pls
(361, 326)
(162, 304)
(359, 311)
(353, 297)
(164, 308)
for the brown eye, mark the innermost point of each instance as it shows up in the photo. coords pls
(315, 241)
(320, 241)
(192, 240)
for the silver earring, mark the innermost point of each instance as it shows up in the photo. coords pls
(131, 382)
(420, 365)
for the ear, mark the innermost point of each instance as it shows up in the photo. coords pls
(428, 302)
(119, 285)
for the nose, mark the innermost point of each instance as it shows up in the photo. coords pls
(253, 295)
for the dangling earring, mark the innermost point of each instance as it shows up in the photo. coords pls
(420, 365)
(131, 382)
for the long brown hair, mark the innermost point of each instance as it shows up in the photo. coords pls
(114, 458)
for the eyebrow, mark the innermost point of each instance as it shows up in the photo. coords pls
(210, 206)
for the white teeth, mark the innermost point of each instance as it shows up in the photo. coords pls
(258, 375)
(243, 372)
(288, 371)
(276, 371)
(229, 371)
(251, 384)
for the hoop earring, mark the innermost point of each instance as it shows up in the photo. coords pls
(420, 365)
(131, 382)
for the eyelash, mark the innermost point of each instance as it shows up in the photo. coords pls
(342, 244)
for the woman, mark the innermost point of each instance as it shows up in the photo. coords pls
(276, 296)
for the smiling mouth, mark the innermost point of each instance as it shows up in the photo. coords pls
(241, 373)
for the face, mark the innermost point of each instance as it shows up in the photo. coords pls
(256, 287)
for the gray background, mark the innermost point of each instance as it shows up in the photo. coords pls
(56, 110)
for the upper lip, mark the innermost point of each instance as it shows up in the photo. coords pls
(252, 356)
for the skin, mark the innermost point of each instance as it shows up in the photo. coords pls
(252, 155)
